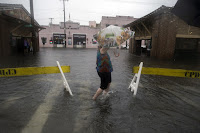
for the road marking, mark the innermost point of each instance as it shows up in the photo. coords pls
(9, 102)
(84, 108)
(168, 72)
(23, 71)
(12, 98)
(40, 116)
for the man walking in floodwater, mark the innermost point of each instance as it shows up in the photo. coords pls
(104, 69)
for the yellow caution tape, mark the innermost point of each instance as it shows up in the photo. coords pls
(168, 72)
(23, 71)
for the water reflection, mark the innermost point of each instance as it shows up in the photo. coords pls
(100, 121)
(168, 102)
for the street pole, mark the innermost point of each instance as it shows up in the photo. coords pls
(33, 30)
(51, 20)
(64, 22)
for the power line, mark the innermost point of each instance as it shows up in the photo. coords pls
(45, 8)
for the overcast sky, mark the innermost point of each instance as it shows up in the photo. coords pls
(89, 10)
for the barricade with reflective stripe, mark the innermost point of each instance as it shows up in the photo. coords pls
(168, 72)
(23, 71)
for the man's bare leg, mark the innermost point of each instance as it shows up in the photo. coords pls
(99, 91)
(107, 89)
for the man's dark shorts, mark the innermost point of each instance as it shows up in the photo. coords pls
(105, 79)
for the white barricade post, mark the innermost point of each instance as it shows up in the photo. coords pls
(135, 81)
(64, 79)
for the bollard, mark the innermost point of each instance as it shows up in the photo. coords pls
(64, 79)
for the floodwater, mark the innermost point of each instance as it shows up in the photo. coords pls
(40, 104)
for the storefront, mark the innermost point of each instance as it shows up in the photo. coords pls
(79, 40)
(80, 35)
(169, 36)
(59, 40)
(15, 28)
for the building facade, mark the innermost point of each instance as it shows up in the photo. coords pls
(78, 36)
(117, 21)
(165, 35)
(15, 27)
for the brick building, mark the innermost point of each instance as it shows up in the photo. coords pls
(165, 35)
(117, 21)
(78, 35)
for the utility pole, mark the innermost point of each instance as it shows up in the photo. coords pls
(64, 21)
(33, 27)
(51, 20)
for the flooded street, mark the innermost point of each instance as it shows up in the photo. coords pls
(40, 104)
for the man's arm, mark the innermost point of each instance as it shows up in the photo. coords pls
(103, 50)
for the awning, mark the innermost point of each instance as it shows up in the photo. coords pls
(19, 27)
(162, 9)
(189, 11)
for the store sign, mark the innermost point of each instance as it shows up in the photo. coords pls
(79, 36)
(28, 26)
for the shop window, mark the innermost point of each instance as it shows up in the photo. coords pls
(69, 41)
(59, 38)
(44, 40)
